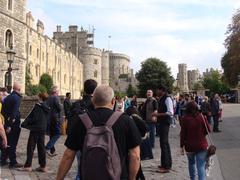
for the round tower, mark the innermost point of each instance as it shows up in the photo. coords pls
(92, 62)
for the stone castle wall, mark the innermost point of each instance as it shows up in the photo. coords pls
(34, 49)
(13, 20)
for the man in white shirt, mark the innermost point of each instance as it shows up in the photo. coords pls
(164, 115)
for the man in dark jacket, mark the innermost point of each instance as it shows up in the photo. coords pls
(215, 112)
(149, 107)
(11, 115)
(80, 107)
(54, 124)
(67, 105)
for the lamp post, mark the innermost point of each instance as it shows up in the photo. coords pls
(238, 79)
(8, 75)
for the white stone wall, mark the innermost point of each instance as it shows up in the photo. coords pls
(105, 67)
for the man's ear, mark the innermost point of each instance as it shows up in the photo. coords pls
(113, 101)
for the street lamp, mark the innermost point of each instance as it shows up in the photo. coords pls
(238, 79)
(8, 75)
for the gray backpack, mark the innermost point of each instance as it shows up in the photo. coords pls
(100, 156)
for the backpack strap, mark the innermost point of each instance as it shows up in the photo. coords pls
(113, 118)
(86, 120)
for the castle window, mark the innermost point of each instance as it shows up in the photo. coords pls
(8, 38)
(10, 5)
(95, 74)
(43, 56)
(95, 61)
(58, 76)
(37, 53)
(30, 50)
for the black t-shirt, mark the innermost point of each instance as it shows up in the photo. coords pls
(125, 132)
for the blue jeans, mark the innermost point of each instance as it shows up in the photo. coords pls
(152, 130)
(197, 160)
(52, 141)
(78, 164)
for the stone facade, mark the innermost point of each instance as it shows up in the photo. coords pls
(39, 52)
(193, 77)
(70, 57)
(12, 32)
(182, 78)
(104, 66)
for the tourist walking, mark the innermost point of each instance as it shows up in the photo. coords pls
(193, 140)
(134, 101)
(11, 114)
(126, 136)
(54, 123)
(150, 106)
(36, 122)
(164, 115)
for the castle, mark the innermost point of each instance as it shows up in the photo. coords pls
(69, 57)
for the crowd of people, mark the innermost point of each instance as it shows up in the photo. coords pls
(109, 136)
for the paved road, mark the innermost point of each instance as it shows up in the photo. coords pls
(228, 142)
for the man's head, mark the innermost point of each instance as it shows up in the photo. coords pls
(89, 86)
(17, 87)
(54, 91)
(103, 96)
(216, 96)
(161, 91)
(149, 93)
(68, 95)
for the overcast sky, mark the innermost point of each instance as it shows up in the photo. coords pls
(175, 31)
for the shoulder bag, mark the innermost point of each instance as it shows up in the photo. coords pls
(212, 148)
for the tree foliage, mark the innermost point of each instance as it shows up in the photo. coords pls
(131, 91)
(153, 73)
(214, 82)
(231, 60)
(46, 81)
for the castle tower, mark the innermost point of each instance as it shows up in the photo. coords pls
(80, 43)
(13, 32)
(183, 78)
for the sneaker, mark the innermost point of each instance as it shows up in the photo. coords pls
(43, 170)
(51, 154)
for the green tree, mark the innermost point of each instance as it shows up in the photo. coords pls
(197, 86)
(131, 91)
(215, 84)
(153, 72)
(46, 81)
(28, 84)
(230, 61)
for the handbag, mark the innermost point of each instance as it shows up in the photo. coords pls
(212, 148)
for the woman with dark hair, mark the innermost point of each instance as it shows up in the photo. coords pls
(36, 122)
(193, 140)
(142, 127)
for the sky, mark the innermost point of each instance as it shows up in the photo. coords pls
(175, 31)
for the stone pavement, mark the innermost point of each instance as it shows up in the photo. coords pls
(179, 170)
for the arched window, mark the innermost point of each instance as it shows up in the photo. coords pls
(9, 38)
(65, 78)
(10, 5)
